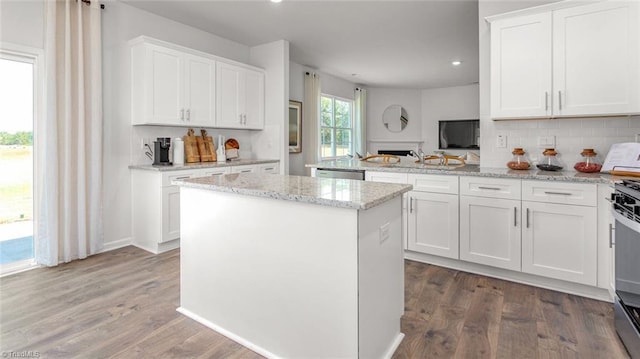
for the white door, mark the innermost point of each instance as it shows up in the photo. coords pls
(521, 67)
(254, 99)
(596, 65)
(170, 213)
(200, 91)
(490, 231)
(560, 241)
(433, 224)
(229, 84)
(165, 85)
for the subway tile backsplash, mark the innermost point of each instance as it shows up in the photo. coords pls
(571, 136)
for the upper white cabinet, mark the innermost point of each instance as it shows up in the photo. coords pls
(240, 97)
(170, 87)
(573, 61)
(176, 86)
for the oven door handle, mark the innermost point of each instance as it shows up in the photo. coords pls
(635, 226)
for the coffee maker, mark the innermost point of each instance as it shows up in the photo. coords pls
(161, 151)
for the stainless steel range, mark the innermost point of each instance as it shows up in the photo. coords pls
(626, 210)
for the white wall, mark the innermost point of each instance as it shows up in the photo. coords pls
(120, 23)
(329, 85)
(378, 137)
(272, 142)
(22, 23)
(572, 135)
(450, 103)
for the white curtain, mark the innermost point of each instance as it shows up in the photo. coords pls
(360, 121)
(311, 110)
(69, 136)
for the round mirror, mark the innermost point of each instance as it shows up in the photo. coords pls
(395, 118)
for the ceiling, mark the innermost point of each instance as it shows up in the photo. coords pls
(392, 44)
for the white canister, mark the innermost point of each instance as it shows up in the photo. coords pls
(178, 151)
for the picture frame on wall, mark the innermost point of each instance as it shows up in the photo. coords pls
(295, 126)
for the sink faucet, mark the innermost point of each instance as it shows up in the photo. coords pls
(419, 154)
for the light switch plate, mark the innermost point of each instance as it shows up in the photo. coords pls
(501, 141)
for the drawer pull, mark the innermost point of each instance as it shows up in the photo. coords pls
(515, 214)
(527, 217)
(181, 178)
(558, 193)
(490, 188)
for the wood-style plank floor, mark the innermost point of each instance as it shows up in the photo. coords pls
(121, 304)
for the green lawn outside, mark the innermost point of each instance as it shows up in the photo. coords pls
(16, 183)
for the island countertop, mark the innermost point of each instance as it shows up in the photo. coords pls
(340, 193)
(468, 170)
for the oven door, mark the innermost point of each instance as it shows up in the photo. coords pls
(627, 260)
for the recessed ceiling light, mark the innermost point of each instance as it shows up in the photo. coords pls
(276, 0)
(456, 63)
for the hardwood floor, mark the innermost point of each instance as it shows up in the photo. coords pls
(121, 304)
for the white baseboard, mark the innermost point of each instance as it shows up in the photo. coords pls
(245, 343)
(518, 277)
(109, 246)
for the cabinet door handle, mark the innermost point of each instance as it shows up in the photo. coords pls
(240, 116)
(560, 100)
(527, 217)
(515, 213)
(546, 101)
(611, 229)
(188, 115)
(244, 116)
(490, 188)
(182, 114)
(558, 193)
(411, 205)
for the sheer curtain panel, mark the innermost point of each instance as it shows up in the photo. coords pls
(360, 123)
(311, 109)
(69, 136)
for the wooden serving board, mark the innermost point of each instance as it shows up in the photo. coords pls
(205, 147)
(381, 158)
(191, 153)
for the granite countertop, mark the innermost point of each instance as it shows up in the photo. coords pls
(200, 165)
(468, 170)
(341, 193)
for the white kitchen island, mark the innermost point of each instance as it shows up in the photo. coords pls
(294, 267)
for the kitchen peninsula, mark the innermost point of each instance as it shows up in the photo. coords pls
(294, 267)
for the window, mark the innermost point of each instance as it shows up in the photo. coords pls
(336, 127)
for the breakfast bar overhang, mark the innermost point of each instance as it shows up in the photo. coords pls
(294, 267)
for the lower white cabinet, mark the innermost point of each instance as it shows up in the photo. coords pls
(156, 203)
(490, 231)
(433, 224)
(560, 241)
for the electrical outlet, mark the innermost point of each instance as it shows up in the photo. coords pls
(501, 141)
(384, 232)
(547, 141)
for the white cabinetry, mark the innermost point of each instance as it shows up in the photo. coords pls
(560, 231)
(156, 203)
(576, 61)
(240, 97)
(392, 177)
(490, 231)
(171, 87)
(433, 215)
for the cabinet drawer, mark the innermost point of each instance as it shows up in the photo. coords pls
(167, 178)
(560, 192)
(269, 168)
(389, 177)
(434, 183)
(490, 187)
(214, 172)
(244, 169)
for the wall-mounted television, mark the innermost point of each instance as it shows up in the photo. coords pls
(459, 134)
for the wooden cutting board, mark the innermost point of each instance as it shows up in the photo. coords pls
(191, 153)
(205, 147)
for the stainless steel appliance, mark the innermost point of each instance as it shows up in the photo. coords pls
(626, 211)
(334, 173)
(161, 151)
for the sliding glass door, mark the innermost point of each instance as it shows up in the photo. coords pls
(16, 161)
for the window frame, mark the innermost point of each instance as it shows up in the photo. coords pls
(334, 127)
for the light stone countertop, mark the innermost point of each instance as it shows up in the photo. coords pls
(468, 170)
(341, 193)
(200, 165)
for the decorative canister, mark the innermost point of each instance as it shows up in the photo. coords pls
(519, 160)
(549, 161)
(589, 163)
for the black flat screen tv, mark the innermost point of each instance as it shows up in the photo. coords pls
(459, 134)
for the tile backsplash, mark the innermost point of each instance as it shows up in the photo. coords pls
(571, 136)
